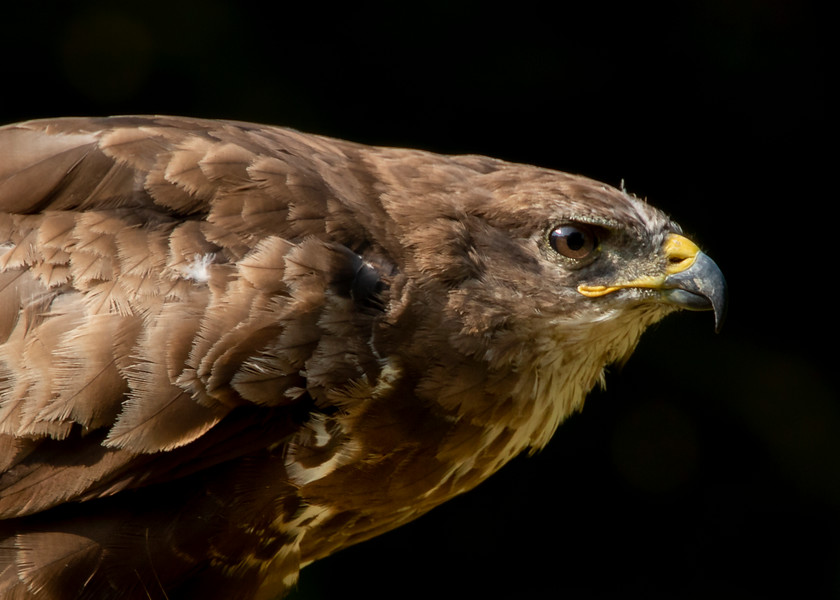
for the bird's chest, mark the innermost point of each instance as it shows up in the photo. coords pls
(381, 490)
(410, 456)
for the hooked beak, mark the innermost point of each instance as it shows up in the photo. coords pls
(691, 280)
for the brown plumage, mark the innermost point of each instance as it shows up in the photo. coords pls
(228, 350)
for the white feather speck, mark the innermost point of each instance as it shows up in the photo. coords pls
(198, 269)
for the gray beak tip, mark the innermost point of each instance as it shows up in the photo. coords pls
(700, 287)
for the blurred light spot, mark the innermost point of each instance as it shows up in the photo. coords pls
(655, 447)
(106, 56)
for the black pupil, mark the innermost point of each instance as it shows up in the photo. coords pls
(575, 240)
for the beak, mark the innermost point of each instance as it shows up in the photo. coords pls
(691, 280)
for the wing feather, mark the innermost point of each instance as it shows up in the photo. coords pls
(167, 286)
(157, 272)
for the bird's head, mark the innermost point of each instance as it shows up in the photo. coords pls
(552, 275)
(520, 243)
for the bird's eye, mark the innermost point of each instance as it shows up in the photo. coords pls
(573, 241)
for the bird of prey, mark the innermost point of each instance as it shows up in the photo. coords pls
(228, 350)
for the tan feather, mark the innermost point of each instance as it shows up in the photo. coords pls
(135, 147)
(34, 166)
(158, 414)
(264, 268)
(88, 382)
(158, 417)
(56, 563)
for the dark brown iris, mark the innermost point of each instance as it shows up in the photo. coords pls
(573, 240)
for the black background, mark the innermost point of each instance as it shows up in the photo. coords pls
(709, 468)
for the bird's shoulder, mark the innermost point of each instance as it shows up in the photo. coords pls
(166, 282)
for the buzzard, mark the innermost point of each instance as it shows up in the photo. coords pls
(228, 350)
